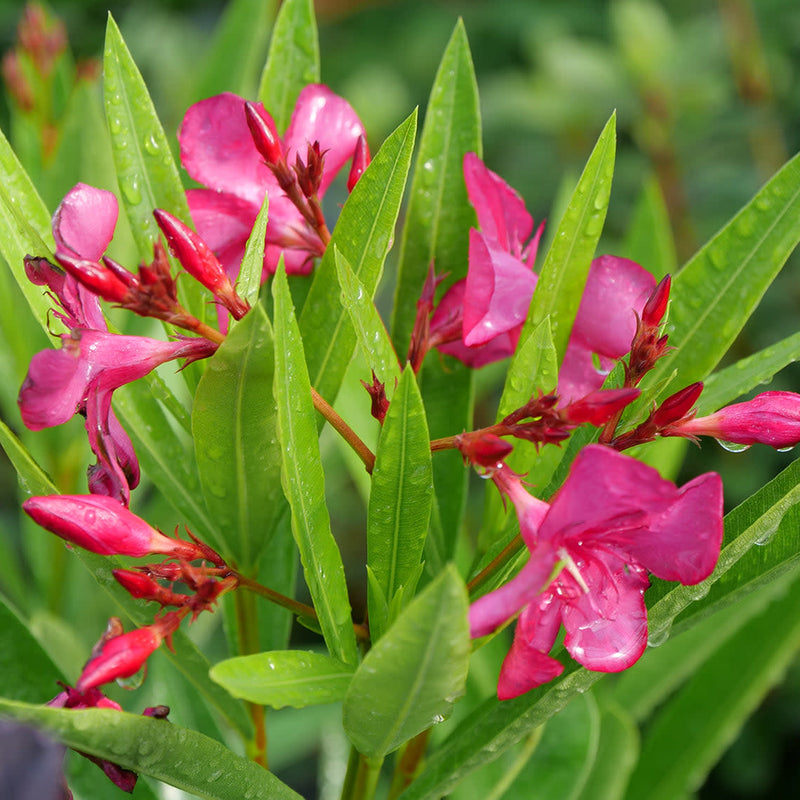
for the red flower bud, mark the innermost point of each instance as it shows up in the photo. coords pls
(361, 160)
(677, 406)
(95, 277)
(598, 407)
(483, 449)
(265, 136)
(380, 403)
(656, 305)
(143, 587)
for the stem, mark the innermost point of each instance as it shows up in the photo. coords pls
(344, 430)
(500, 560)
(369, 770)
(408, 763)
(348, 787)
(247, 629)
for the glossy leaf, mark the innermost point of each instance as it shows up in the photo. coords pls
(439, 214)
(146, 172)
(248, 283)
(24, 228)
(563, 274)
(716, 292)
(692, 731)
(26, 671)
(178, 756)
(410, 679)
(376, 347)
(234, 422)
(237, 53)
(294, 678)
(304, 482)
(293, 60)
(363, 235)
(400, 500)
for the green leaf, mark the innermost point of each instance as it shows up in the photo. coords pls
(410, 679)
(293, 60)
(232, 62)
(400, 500)
(146, 172)
(370, 330)
(363, 235)
(234, 422)
(716, 292)
(692, 731)
(563, 275)
(649, 240)
(26, 671)
(439, 214)
(285, 678)
(178, 756)
(24, 228)
(248, 283)
(735, 380)
(304, 482)
(165, 457)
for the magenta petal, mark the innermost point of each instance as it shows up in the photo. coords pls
(606, 628)
(324, 117)
(682, 543)
(498, 291)
(217, 149)
(527, 664)
(493, 609)
(84, 221)
(501, 212)
(54, 387)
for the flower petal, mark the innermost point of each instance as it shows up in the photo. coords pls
(501, 212)
(324, 117)
(498, 291)
(84, 221)
(527, 664)
(606, 628)
(217, 149)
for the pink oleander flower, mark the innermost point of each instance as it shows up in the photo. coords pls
(492, 302)
(771, 418)
(217, 150)
(103, 525)
(81, 377)
(613, 520)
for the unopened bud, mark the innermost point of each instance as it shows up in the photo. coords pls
(677, 406)
(120, 657)
(142, 587)
(598, 407)
(95, 277)
(265, 135)
(361, 160)
(380, 403)
(656, 305)
(483, 449)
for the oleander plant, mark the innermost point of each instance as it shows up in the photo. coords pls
(375, 488)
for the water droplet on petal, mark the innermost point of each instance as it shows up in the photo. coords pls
(733, 447)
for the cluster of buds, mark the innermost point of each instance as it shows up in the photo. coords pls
(649, 344)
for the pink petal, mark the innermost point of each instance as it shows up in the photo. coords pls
(84, 222)
(502, 215)
(606, 628)
(493, 609)
(616, 290)
(217, 149)
(498, 291)
(324, 117)
(527, 664)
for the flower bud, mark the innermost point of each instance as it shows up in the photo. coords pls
(483, 449)
(361, 160)
(677, 406)
(143, 587)
(96, 278)
(103, 525)
(656, 305)
(598, 407)
(120, 657)
(265, 136)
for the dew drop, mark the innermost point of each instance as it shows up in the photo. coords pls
(766, 536)
(733, 447)
(130, 188)
(657, 638)
(151, 145)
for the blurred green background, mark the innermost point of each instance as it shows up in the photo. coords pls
(708, 107)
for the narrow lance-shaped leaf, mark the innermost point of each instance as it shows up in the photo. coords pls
(400, 500)
(249, 280)
(146, 172)
(304, 482)
(410, 679)
(373, 338)
(363, 234)
(563, 275)
(178, 756)
(186, 657)
(716, 292)
(234, 423)
(285, 678)
(293, 60)
(439, 214)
